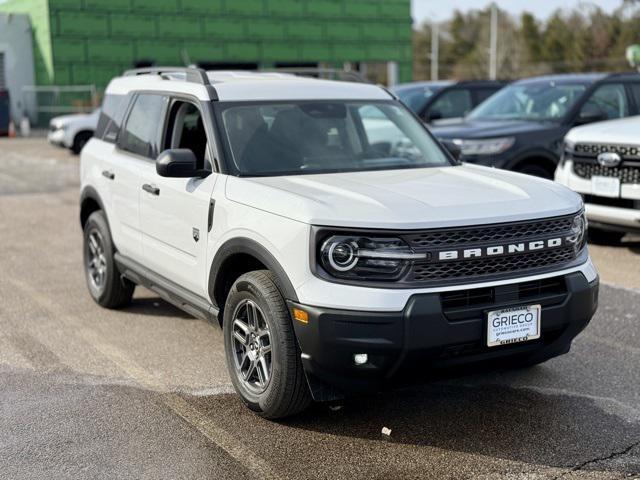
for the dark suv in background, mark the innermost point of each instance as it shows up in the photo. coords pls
(522, 127)
(438, 102)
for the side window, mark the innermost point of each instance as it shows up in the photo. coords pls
(110, 119)
(186, 130)
(635, 93)
(141, 134)
(483, 93)
(609, 100)
(451, 104)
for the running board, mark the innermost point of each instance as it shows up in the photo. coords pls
(185, 300)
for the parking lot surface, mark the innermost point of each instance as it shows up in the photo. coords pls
(143, 392)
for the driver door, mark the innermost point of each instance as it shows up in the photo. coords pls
(174, 212)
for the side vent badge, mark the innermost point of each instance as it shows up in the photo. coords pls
(196, 234)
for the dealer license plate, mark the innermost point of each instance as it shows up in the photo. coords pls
(605, 186)
(513, 325)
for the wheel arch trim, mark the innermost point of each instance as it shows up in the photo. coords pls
(247, 246)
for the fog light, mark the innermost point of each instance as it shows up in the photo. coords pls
(360, 358)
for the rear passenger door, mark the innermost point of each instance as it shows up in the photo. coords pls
(137, 146)
(175, 214)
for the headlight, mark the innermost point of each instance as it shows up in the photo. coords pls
(490, 146)
(578, 236)
(366, 258)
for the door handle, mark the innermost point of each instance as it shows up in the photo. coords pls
(151, 189)
(108, 174)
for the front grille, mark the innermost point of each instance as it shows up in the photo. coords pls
(491, 265)
(627, 152)
(488, 234)
(626, 173)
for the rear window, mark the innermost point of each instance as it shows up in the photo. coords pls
(110, 117)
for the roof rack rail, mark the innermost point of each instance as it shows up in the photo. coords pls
(193, 75)
(325, 73)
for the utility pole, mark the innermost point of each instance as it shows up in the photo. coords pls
(435, 47)
(493, 50)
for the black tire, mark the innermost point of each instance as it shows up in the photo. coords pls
(111, 291)
(80, 141)
(535, 170)
(605, 237)
(286, 392)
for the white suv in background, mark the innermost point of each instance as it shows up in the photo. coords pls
(340, 247)
(602, 162)
(73, 131)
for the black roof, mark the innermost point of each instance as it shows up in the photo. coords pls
(580, 77)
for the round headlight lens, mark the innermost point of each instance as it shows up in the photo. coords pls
(342, 256)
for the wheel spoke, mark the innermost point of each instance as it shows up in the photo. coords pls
(264, 369)
(241, 325)
(261, 376)
(252, 316)
(265, 349)
(240, 338)
(250, 370)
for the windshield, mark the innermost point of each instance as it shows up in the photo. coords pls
(268, 139)
(416, 97)
(531, 101)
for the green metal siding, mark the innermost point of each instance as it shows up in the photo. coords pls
(89, 41)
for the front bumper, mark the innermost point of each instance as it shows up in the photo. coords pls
(428, 332)
(57, 138)
(604, 212)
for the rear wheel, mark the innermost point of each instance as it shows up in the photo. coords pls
(105, 284)
(605, 237)
(263, 356)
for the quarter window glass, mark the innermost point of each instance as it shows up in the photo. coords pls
(110, 117)
(141, 133)
(452, 104)
(609, 100)
(482, 94)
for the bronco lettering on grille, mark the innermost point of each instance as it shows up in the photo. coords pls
(500, 250)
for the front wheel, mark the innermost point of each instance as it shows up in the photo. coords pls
(263, 356)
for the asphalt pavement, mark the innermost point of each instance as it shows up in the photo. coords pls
(144, 393)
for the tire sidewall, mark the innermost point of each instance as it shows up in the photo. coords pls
(97, 221)
(246, 290)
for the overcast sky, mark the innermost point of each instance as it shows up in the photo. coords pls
(443, 9)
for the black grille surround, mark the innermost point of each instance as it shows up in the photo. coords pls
(434, 273)
(585, 162)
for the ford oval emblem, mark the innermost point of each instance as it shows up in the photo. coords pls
(609, 159)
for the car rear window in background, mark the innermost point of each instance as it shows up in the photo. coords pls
(416, 98)
(141, 134)
(110, 117)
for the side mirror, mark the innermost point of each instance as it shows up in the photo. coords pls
(178, 163)
(434, 115)
(453, 149)
(591, 116)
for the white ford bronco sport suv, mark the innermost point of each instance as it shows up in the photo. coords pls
(602, 162)
(341, 248)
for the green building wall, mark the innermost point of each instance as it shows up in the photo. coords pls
(90, 41)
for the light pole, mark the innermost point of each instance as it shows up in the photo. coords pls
(493, 49)
(435, 48)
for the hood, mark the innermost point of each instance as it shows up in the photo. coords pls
(406, 199)
(489, 129)
(622, 131)
(63, 120)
